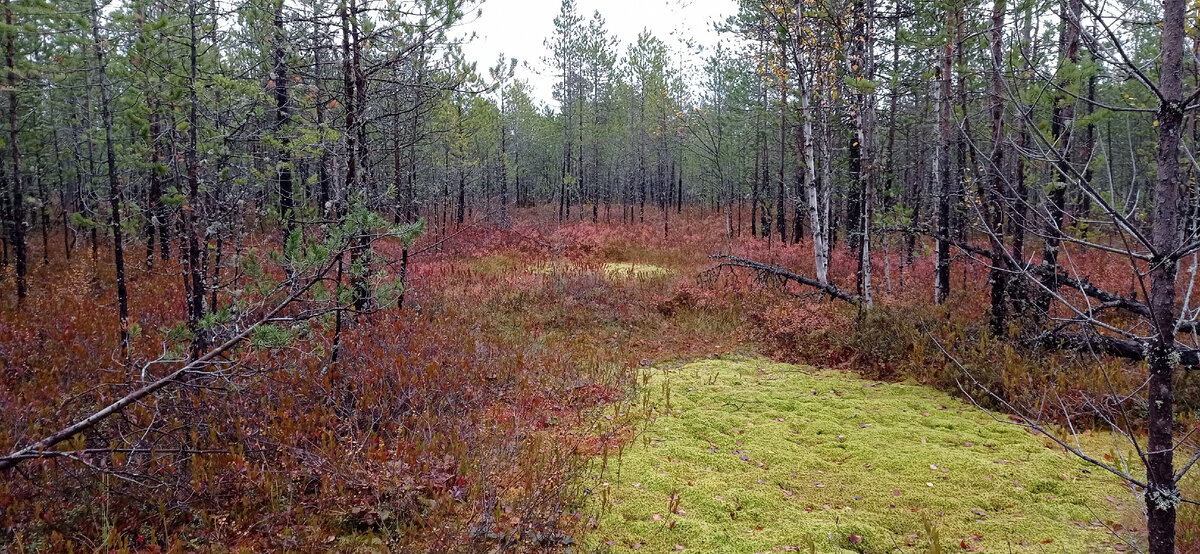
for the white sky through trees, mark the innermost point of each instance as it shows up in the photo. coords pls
(519, 29)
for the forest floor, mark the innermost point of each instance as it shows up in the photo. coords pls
(724, 450)
(597, 387)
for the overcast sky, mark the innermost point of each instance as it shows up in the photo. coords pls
(519, 28)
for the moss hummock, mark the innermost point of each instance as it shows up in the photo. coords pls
(748, 455)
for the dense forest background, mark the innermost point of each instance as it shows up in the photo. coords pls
(209, 211)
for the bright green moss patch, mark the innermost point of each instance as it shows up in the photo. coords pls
(753, 456)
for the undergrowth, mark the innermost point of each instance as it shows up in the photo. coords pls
(466, 421)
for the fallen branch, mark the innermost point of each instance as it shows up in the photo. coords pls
(926, 231)
(129, 451)
(1112, 346)
(40, 448)
(1083, 285)
(781, 273)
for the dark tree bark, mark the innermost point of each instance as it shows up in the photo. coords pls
(158, 217)
(1019, 197)
(352, 81)
(283, 117)
(6, 221)
(156, 226)
(194, 271)
(781, 186)
(998, 274)
(504, 220)
(754, 180)
(43, 210)
(461, 207)
(17, 207)
(1162, 496)
(324, 196)
(865, 122)
(62, 185)
(114, 189)
(942, 172)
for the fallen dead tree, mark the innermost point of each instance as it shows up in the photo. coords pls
(318, 262)
(41, 448)
(776, 272)
(1129, 347)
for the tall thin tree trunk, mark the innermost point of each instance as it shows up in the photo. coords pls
(866, 138)
(941, 171)
(818, 198)
(62, 185)
(1061, 124)
(781, 195)
(324, 196)
(17, 208)
(283, 117)
(504, 220)
(114, 189)
(1162, 495)
(194, 271)
(998, 274)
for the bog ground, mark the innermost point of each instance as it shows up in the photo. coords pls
(412, 275)
(746, 455)
(577, 387)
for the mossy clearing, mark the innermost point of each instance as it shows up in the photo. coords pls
(626, 269)
(614, 270)
(748, 455)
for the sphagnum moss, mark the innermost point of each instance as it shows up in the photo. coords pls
(754, 456)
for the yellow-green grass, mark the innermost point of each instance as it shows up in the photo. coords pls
(614, 270)
(766, 457)
(635, 270)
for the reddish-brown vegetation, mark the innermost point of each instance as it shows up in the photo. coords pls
(460, 422)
